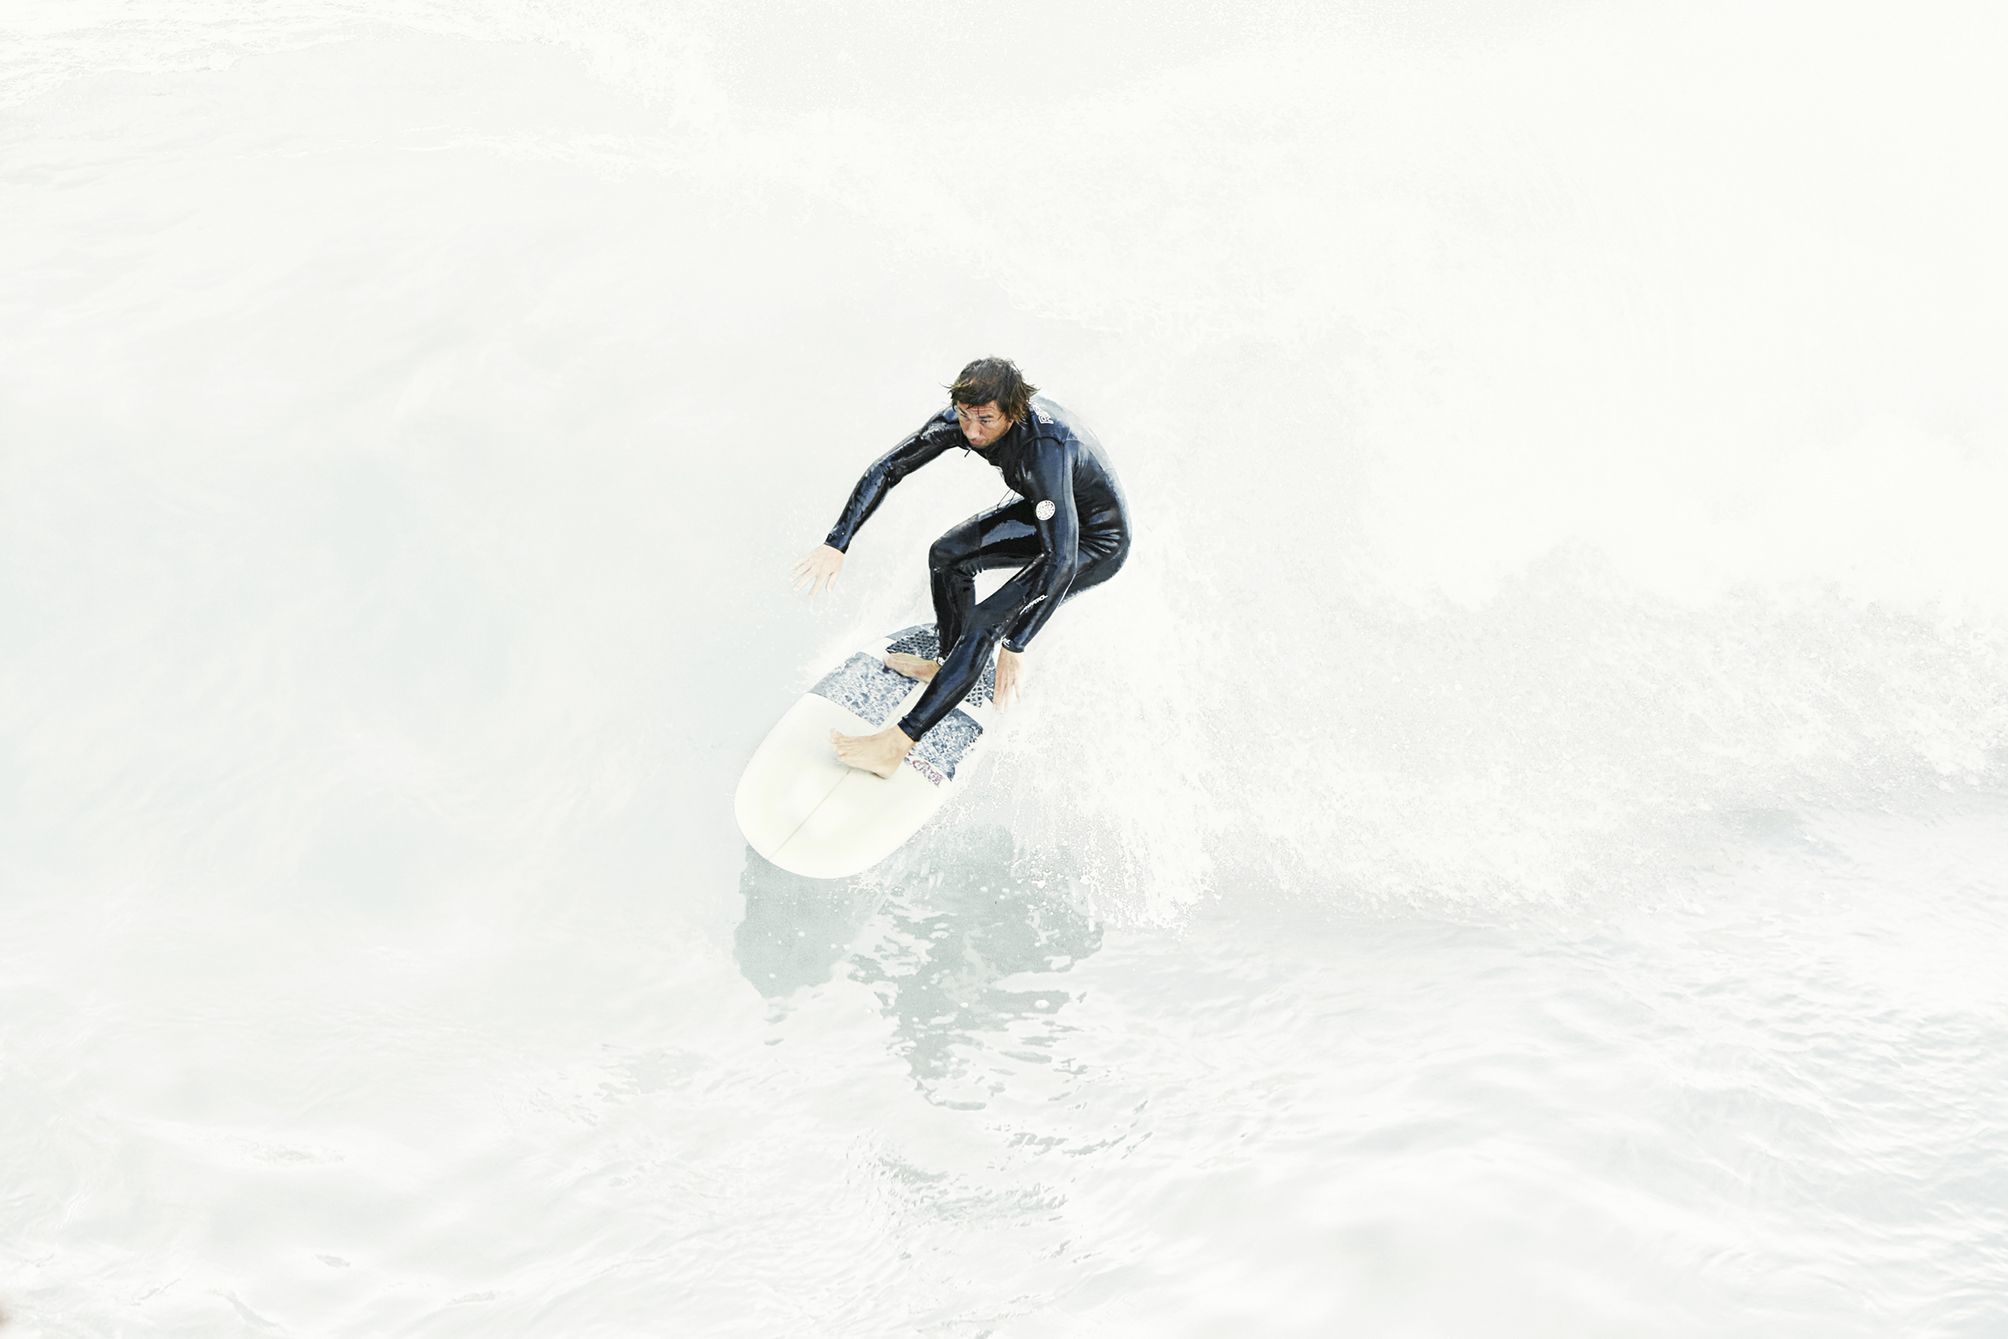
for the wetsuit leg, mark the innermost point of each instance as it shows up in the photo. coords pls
(1005, 536)
(1102, 553)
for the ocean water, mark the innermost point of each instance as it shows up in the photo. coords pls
(1520, 850)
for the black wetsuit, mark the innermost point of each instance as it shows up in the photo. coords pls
(1068, 531)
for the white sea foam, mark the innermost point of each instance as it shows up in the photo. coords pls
(1518, 847)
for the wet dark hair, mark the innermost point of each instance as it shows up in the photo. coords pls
(997, 379)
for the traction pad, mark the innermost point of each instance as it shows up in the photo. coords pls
(865, 686)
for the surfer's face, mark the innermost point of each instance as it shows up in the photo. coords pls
(982, 424)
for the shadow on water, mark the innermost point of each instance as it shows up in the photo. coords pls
(940, 943)
(796, 929)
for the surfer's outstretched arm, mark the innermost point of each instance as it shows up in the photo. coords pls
(930, 440)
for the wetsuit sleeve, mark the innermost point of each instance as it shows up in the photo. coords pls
(1052, 479)
(930, 440)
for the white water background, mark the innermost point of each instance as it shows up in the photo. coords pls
(1520, 849)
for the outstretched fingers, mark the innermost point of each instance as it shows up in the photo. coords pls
(816, 573)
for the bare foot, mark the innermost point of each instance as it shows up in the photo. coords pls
(881, 753)
(913, 667)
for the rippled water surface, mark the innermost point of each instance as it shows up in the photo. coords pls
(1521, 849)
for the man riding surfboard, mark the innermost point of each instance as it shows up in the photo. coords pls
(1067, 531)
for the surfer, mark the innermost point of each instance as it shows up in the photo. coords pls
(1068, 530)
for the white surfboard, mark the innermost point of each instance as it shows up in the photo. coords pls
(811, 815)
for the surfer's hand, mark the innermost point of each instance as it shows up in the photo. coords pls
(1007, 675)
(818, 572)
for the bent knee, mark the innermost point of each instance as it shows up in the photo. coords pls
(948, 551)
(1099, 567)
